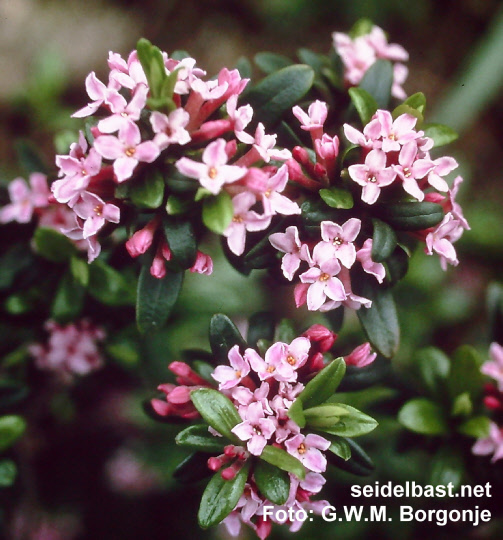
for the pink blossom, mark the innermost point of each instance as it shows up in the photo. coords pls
(214, 172)
(494, 367)
(123, 113)
(295, 252)
(455, 208)
(272, 200)
(25, 200)
(128, 74)
(493, 444)
(307, 450)
(361, 356)
(411, 169)
(396, 133)
(327, 150)
(126, 150)
(203, 264)
(255, 428)
(95, 213)
(314, 119)
(76, 233)
(370, 138)
(442, 167)
(263, 149)
(170, 129)
(141, 240)
(364, 256)
(441, 238)
(340, 238)
(244, 220)
(240, 118)
(231, 376)
(372, 176)
(100, 94)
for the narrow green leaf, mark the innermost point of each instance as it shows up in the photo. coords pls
(53, 245)
(317, 61)
(270, 62)
(406, 109)
(109, 286)
(243, 65)
(8, 473)
(384, 240)
(416, 101)
(220, 497)
(440, 134)
(272, 482)
(411, 216)
(433, 366)
(423, 416)
(68, 300)
(260, 326)
(364, 103)
(199, 438)
(218, 212)
(337, 198)
(80, 270)
(359, 462)
(397, 265)
(340, 448)
(323, 385)
(156, 298)
(148, 190)
(11, 428)
(362, 27)
(353, 424)
(217, 410)
(465, 375)
(182, 241)
(377, 82)
(477, 427)
(193, 468)
(324, 416)
(283, 460)
(380, 321)
(223, 336)
(296, 413)
(279, 92)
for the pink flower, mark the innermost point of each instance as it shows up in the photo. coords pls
(231, 376)
(396, 133)
(295, 252)
(493, 444)
(256, 428)
(411, 169)
(340, 239)
(76, 233)
(494, 367)
(141, 240)
(244, 220)
(272, 201)
(214, 172)
(25, 200)
(441, 238)
(441, 167)
(170, 129)
(314, 119)
(364, 256)
(307, 450)
(203, 264)
(100, 94)
(361, 356)
(126, 150)
(123, 113)
(372, 176)
(95, 213)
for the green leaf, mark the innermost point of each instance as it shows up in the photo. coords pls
(397, 265)
(279, 92)
(272, 482)
(13, 261)
(218, 212)
(296, 413)
(109, 286)
(217, 410)
(68, 300)
(364, 103)
(176, 205)
(80, 270)
(411, 216)
(317, 61)
(324, 416)
(182, 241)
(199, 438)
(380, 320)
(323, 385)
(156, 298)
(285, 331)
(353, 424)
(30, 158)
(465, 375)
(220, 497)
(448, 467)
(223, 336)
(8, 473)
(359, 463)
(148, 190)
(462, 405)
(433, 366)
(260, 326)
(440, 134)
(477, 427)
(270, 62)
(52, 245)
(377, 82)
(423, 416)
(337, 198)
(362, 27)
(406, 109)
(11, 428)
(283, 460)
(340, 448)
(243, 65)
(152, 62)
(416, 101)
(384, 241)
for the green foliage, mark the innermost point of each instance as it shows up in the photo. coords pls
(377, 82)
(423, 416)
(52, 245)
(283, 460)
(272, 482)
(364, 103)
(323, 385)
(411, 216)
(337, 198)
(223, 336)
(199, 438)
(218, 212)
(384, 241)
(12, 427)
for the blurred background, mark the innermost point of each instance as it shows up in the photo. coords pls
(95, 465)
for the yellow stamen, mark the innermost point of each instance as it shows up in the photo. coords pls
(212, 173)
(324, 277)
(302, 449)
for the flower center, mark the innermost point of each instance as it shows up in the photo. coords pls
(392, 137)
(237, 219)
(257, 430)
(130, 152)
(212, 173)
(238, 374)
(124, 114)
(337, 241)
(270, 369)
(372, 179)
(98, 209)
(407, 172)
(83, 172)
(302, 449)
(324, 277)
(291, 360)
(268, 193)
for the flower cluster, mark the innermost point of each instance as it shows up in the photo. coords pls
(70, 350)
(493, 399)
(262, 387)
(361, 52)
